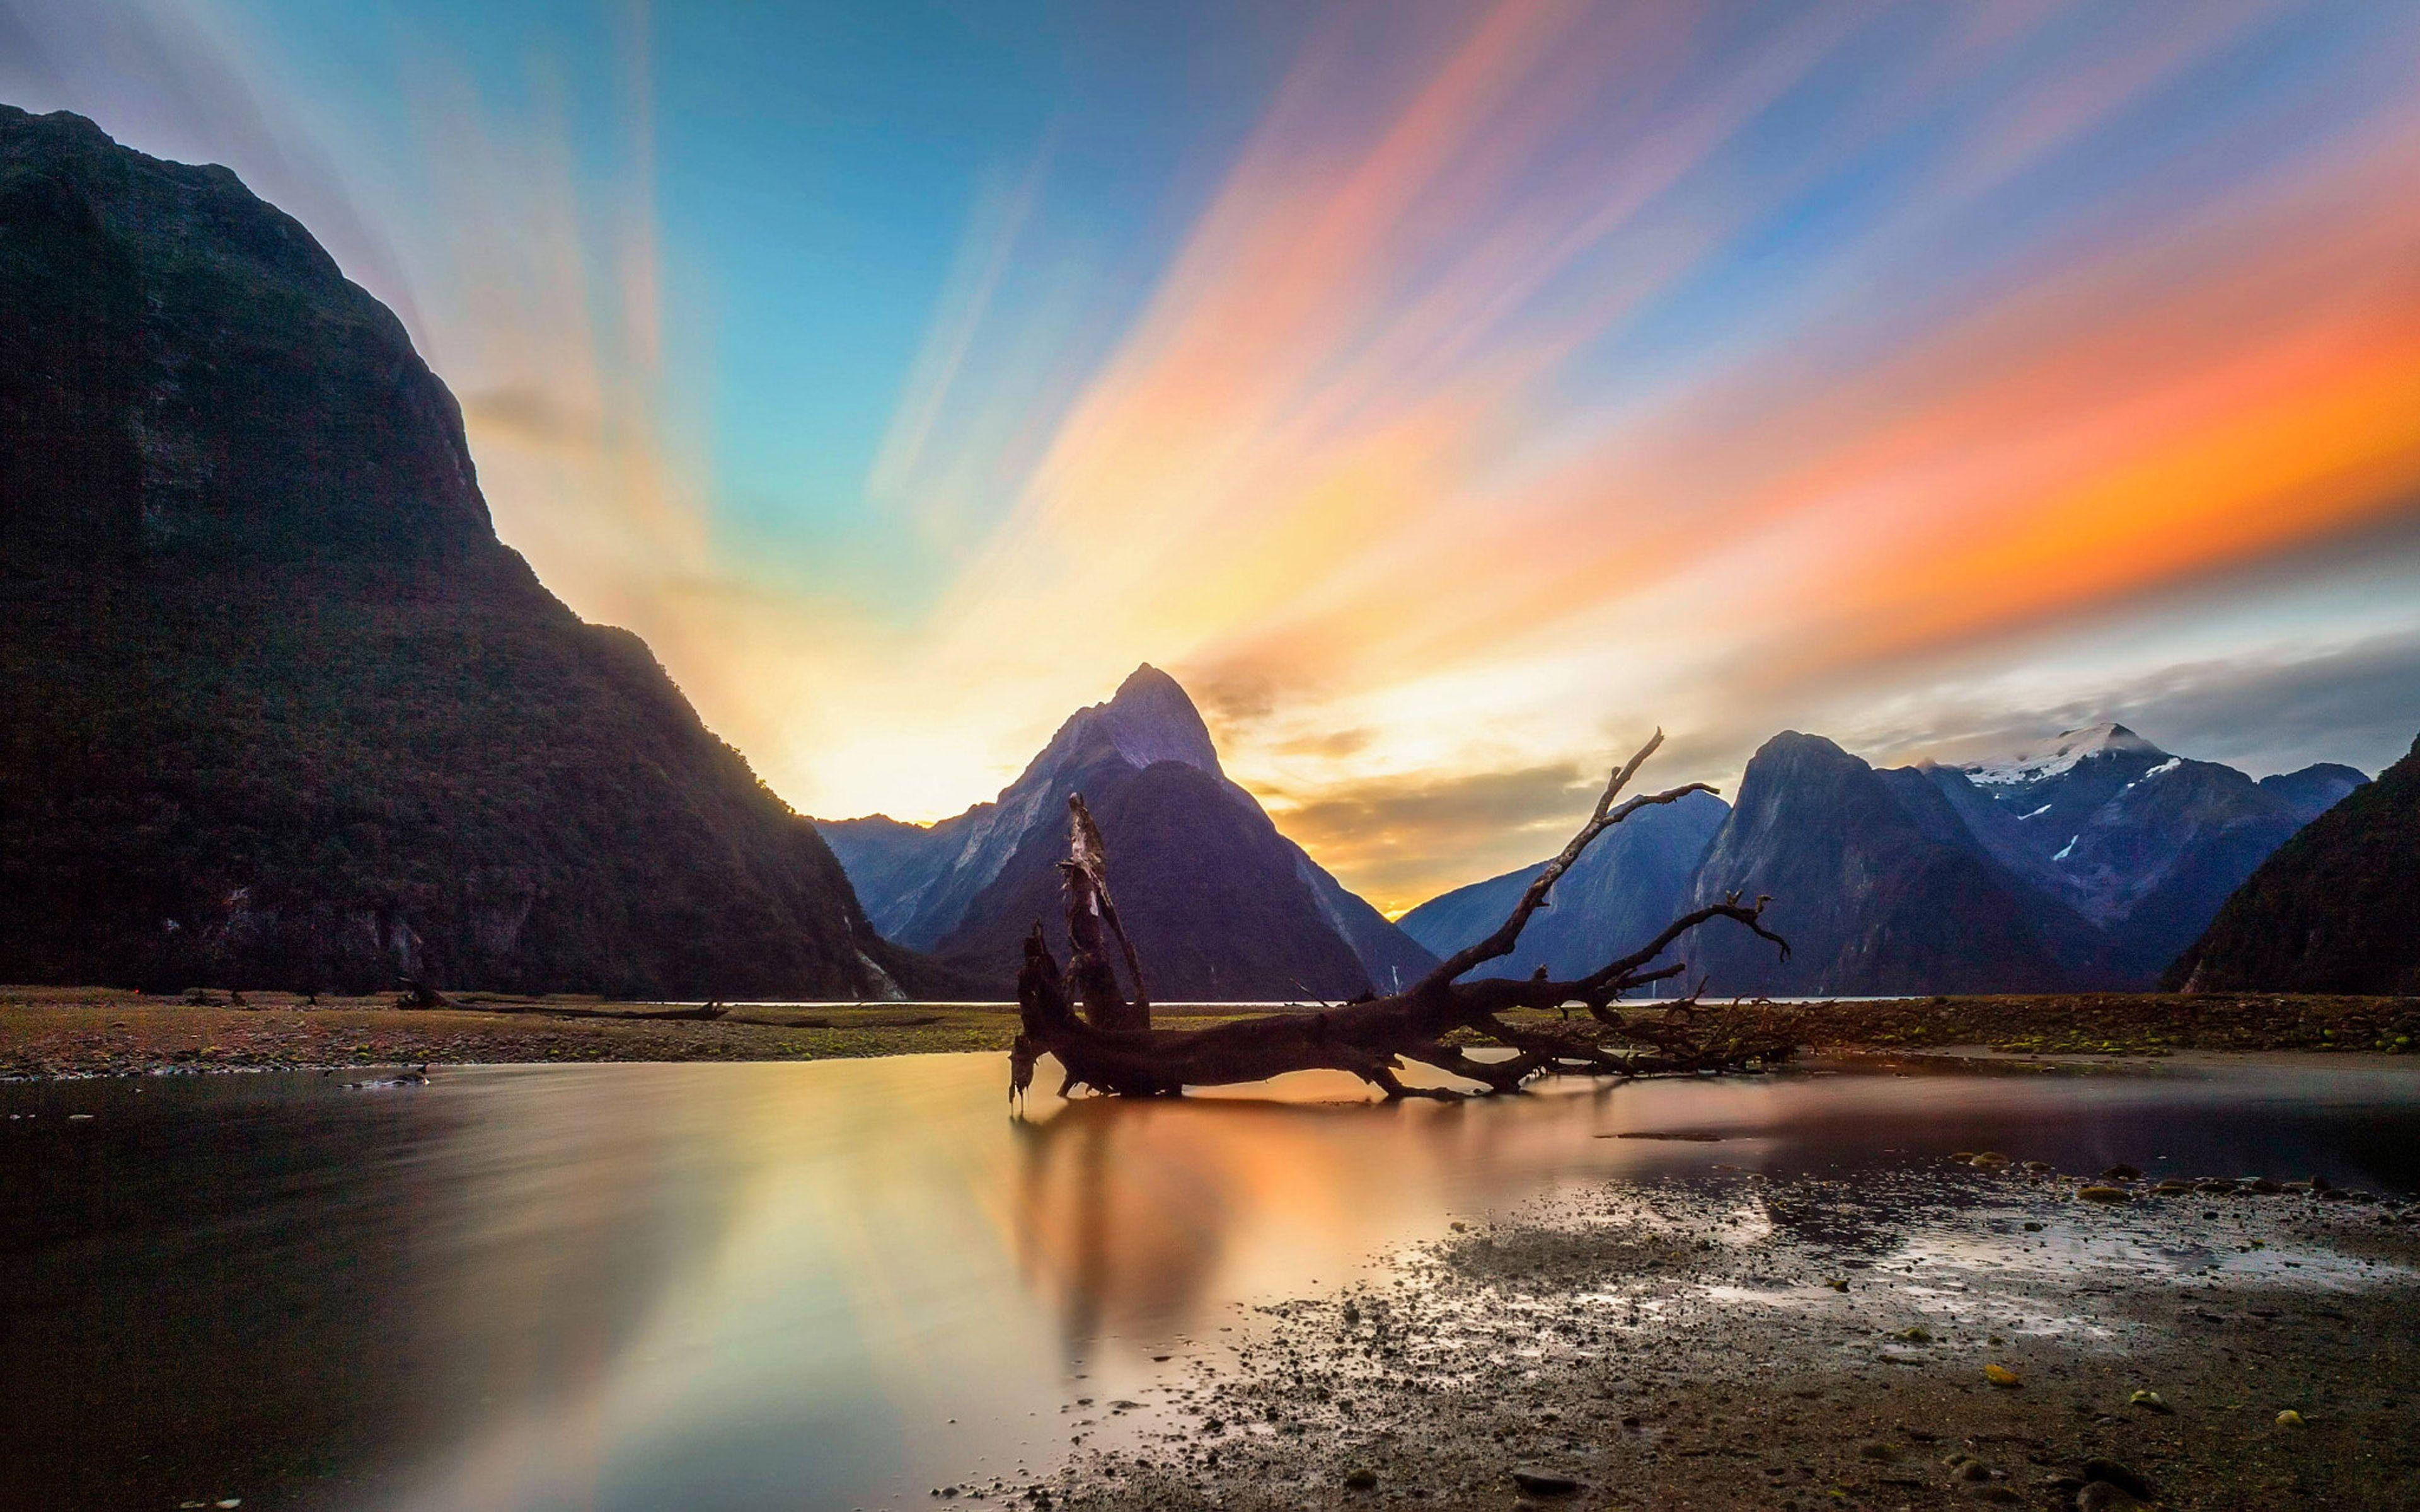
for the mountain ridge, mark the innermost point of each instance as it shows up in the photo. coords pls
(2335, 908)
(279, 707)
(2089, 860)
(1632, 882)
(969, 887)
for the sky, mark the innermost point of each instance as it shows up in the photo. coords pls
(1446, 393)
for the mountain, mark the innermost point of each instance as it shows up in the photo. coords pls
(2144, 844)
(2100, 755)
(276, 706)
(1874, 883)
(1624, 887)
(2088, 862)
(2336, 910)
(2315, 789)
(1221, 906)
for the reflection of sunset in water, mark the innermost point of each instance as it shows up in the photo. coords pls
(1139, 1217)
(732, 1286)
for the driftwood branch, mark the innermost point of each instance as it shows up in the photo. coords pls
(418, 993)
(1092, 923)
(1454, 1027)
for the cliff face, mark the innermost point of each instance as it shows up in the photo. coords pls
(2336, 909)
(1873, 883)
(276, 706)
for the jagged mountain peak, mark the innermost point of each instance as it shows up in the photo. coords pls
(2061, 754)
(1150, 718)
(1221, 905)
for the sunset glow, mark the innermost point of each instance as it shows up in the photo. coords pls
(1444, 393)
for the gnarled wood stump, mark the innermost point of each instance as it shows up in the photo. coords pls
(1111, 1046)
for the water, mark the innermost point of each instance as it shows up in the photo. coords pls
(837, 1285)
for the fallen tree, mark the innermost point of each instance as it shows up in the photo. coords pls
(1102, 1037)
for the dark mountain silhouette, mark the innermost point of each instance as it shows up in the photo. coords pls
(2336, 910)
(276, 707)
(2315, 789)
(1623, 888)
(1221, 906)
(1874, 883)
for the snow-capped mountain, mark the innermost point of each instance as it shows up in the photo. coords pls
(1220, 904)
(2090, 859)
(2062, 756)
(1877, 883)
(2144, 844)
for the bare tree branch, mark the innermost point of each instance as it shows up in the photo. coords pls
(1533, 896)
(1111, 1047)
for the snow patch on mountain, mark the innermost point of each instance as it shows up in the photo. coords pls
(2062, 756)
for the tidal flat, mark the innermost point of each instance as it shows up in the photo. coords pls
(1927, 1336)
(872, 1283)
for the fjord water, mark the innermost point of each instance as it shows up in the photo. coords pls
(840, 1284)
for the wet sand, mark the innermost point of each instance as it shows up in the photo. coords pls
(1745, 1341)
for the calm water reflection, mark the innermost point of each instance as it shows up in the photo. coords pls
(830, 1285)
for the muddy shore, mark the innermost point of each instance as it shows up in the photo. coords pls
(48, 1031)
(1939, 1337)
(1715, 1337)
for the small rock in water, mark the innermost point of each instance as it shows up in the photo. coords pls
(1364, 1479)
(1974, 1470)
(1877, 1451)
(2101, 1496)
(2000, 1375)
(2290, 1419)
(1989, 1160)
(2150, 1399)
(2121, 1173)
(2103, 1194)
(1916, 1336)
(1544, 1482)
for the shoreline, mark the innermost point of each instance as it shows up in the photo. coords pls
(1734, 1339)
(49, 1033)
